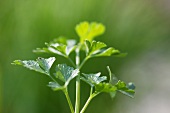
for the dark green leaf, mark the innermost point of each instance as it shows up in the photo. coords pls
(65, 73)
(123, 88)
(30, 64)
(46, 64)
(88, 31)
(40, 65)
(93, 79)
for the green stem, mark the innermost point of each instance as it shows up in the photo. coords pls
(77, 103)
(83, 62)
(79, 66)
(110, 73)
(69, 100)
(86, 104)
(91, 91)
(88, 101)
(71, 62)
(52, 78)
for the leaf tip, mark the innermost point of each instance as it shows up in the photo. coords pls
(16, 62)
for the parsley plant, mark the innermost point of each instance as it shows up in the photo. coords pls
(64, 73)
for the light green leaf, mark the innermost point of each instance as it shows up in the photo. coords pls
(60, 46)
(97, 49)
(65, 50)
(62, 40)
(107, 52)
(65, 73)
(105, 87)
(88, 31)
(55, 86)
(40, 65)
(93, 79)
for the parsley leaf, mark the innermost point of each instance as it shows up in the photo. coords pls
(93, 79)
(60, 46)
(65, 73)
(41, 65)
(97, 49)
(88, 31)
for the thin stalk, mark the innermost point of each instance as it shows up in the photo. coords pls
(77, 56)
(69, 101)
(79, 66)
(83, 62)
(110, 73)
(52, 78)
(88, 101)
(71, 61)
(91, 91)
(86, 104)
(77, 103)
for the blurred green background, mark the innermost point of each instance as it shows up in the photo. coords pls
(139, 27)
